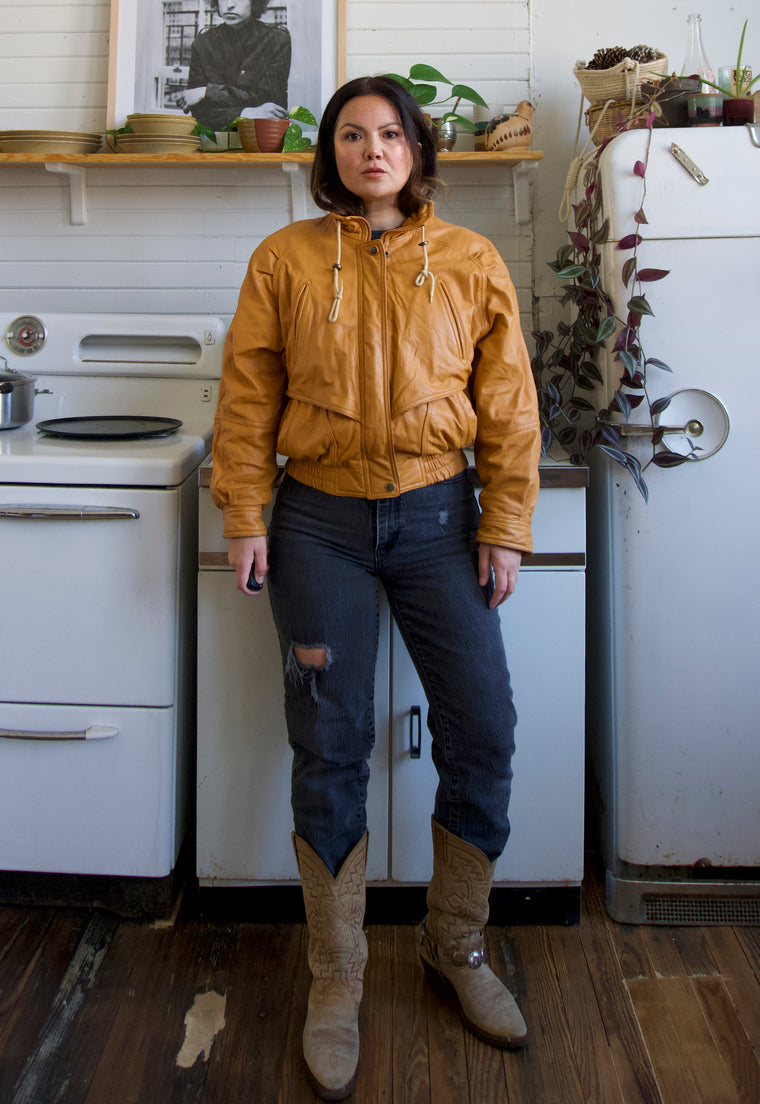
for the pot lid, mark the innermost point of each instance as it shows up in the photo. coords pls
(9, 378)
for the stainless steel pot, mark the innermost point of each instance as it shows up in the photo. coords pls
(16, 398)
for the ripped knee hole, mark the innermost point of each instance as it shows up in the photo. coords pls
(311, 657)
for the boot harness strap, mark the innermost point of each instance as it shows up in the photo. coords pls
(474, 958)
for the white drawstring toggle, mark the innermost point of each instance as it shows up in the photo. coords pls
(337, 284)
(425, 274)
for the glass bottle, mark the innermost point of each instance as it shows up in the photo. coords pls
(696, 63)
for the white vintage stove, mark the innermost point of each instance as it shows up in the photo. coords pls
(98, 523)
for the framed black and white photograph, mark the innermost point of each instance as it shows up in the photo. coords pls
(218, 59)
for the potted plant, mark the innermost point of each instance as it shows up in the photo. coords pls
(738, 104)
(273, 135)
(565, 366)
(425, 94)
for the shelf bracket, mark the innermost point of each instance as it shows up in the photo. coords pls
(297, 174)
(521, 177)
(77, 189)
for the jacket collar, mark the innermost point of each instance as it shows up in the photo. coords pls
(357, 226)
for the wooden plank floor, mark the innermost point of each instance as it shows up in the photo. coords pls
(95, 1009)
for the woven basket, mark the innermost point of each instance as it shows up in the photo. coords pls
(622, 82)
(611, 121)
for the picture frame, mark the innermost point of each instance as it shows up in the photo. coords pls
(148, 47)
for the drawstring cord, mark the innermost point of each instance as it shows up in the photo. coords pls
(422, 276)
(425, 274)
(337, 285)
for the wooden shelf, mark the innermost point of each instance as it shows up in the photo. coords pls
(73, 168)
(240, 157)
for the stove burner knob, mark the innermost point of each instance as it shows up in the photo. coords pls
(26, 335)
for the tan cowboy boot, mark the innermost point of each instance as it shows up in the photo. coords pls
(337, 957)
(451, 941)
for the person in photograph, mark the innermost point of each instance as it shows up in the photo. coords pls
(241, 63)
(370, 347)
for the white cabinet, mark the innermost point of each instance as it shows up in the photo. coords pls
(244, 815)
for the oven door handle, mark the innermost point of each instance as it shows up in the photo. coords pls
(26, 512)
(94, 732)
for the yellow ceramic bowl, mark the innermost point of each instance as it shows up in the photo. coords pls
(173, 125)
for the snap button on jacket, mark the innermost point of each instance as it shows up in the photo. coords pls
(424, 357)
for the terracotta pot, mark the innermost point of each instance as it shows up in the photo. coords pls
(247, 133)
(270, 134)
(738, 112)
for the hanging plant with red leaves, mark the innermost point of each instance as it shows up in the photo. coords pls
(565, 364)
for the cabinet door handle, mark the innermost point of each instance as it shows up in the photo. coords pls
(94, 732)
(415, 732)
(24, 512)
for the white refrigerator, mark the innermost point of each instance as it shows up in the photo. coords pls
(673, 686)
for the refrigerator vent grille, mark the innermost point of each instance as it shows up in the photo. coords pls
(700, 910)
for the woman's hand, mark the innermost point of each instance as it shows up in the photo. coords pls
(188, 98)
(266, 110)
(506, 566)
(245, 552)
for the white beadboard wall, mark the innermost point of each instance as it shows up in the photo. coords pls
(177, 239)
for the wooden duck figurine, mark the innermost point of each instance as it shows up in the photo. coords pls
(511, 131)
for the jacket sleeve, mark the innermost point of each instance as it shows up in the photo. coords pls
(251, 401)
(508, 440)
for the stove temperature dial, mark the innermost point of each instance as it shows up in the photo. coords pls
(26, 335)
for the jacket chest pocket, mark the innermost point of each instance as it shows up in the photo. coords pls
(453, 321)
(295, 344)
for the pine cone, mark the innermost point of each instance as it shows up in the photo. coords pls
(642, 54)
(611, 56)
(607, 58)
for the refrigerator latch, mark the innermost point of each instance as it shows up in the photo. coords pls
(692, 169)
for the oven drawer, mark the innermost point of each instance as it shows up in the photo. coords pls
(90, 599)
(98, 805)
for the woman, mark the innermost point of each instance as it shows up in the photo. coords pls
(370, 346)
(240, 63)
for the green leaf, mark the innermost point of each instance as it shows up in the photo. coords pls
(464, 92)
(459, 120)
(599, 237)
(654, 363)
(660, 404)
(427, 73)
(207, 132)
(639, 305)
(294, 140)
(572, 272)
(423, 93)
(302, 115)
(606, 329)
(401, 80)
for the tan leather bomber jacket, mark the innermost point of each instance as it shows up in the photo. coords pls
(424, 356)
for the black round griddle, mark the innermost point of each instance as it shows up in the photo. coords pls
(110, 427)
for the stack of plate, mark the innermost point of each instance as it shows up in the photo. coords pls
(49, 141)
(159, 134)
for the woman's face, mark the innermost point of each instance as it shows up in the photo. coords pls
(234, 11)
(371, 152)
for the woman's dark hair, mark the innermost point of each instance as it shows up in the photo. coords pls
(257, 7)
(328, 190)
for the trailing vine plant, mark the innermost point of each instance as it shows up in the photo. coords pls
(565, 364)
